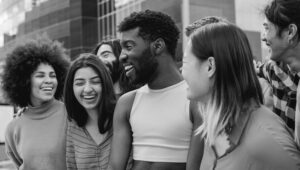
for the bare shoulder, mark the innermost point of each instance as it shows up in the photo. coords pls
(124, 103)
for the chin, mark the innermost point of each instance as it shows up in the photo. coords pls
(89, 106)
(190, 96)
(46, 99)
(275, 57)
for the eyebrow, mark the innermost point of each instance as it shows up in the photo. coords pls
(105, 52)
(81, 78)
(123, 43)
(42, 72)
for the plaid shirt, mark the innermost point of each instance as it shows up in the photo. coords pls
(284, 85)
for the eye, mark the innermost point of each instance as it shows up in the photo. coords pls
(105, 55)
(79, 83)
(96, 81)
(53, 75)
(39, 75)
(128, 47)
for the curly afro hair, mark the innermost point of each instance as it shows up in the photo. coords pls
(24, 60)
(153, 25)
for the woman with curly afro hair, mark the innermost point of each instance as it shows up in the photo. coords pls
(33, 78)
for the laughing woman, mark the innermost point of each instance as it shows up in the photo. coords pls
(90, 101)
(239, 132)
(33, 78)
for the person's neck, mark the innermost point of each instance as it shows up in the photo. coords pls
(167, 74)
(40, 103)
(293, 58)
(92, 116)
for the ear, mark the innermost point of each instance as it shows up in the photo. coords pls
(211, 66)
(292, 32)
(158, 46)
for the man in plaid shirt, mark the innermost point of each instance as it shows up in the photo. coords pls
(282, 36)
(284, 86)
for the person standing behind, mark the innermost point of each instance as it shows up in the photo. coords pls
(90, 102)
(240, 133)
(282, 36)
(33, 77)
(109, 52)
(154, 120)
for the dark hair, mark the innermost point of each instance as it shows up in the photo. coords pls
(282, 13)
(201, 22)
(116, 48)
(24, 60)
(115, 44)
(235, 82)
(75, 110)
(153, 25)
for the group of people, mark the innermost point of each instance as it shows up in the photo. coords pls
(127, 105)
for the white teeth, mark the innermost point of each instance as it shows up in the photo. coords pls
(89, 97)
(128, 67)
(47, 88)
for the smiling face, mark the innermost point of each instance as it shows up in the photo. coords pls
(107, 56)
(278, 44)
(43, 84)
(138, 60)
(87, 88)
(195, 73)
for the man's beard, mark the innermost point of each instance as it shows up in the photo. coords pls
(147, 68)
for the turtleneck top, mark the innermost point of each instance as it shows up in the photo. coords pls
(37, 139)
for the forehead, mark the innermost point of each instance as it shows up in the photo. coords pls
(84, 72)
(44, 67)
(132, 36)
(105, 47)
(188, 48)
(266, 22)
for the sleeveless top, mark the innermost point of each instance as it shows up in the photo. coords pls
(161, 124)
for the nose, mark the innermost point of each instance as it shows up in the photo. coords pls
(87, 88)
(48, 79)
(264, 37)
(123, 57)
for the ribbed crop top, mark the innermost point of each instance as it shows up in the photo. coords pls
(161, 125)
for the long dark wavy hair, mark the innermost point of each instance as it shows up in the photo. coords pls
(107, 103)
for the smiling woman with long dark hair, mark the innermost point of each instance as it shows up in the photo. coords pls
(90, 101)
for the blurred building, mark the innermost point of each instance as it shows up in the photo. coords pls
(81, 24)
(72, 22)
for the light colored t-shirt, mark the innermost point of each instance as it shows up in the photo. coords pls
(37, 139)
(161, 124)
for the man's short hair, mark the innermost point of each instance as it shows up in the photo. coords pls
(282, 13)
(153, 25)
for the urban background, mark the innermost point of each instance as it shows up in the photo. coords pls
(81, 24)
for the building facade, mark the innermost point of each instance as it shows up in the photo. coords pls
(81, 24)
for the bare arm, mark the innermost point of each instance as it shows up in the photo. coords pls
(197, 143)
(122, 134)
